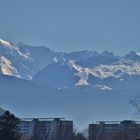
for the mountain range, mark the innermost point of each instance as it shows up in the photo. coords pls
(38, 78)
(65, 70)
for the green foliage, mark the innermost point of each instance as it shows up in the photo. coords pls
(9, 127)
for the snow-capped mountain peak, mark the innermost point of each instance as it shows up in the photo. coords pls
(5, 43)
(7, 68)
(24, 61)
(12, 48)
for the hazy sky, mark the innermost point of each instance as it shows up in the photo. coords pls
(67, 25)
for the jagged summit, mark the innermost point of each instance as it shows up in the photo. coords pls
(135, 56)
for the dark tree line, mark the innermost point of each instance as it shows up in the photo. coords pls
(9, 127)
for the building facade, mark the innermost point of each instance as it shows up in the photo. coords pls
(46, 129)
(114, 130)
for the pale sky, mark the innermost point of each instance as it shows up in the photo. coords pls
(69, 25)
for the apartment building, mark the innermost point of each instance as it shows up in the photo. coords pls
(46, 128)
(115, 130)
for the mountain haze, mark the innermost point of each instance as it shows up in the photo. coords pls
(58, 83)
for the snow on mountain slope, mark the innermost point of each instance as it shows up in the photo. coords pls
(7, 67)
(24, 61)
(12, 49)
(11, 60)
(116, 70)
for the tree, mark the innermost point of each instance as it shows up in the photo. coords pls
(79, 136)
(85, 132)
(9, 127)
(135, 102)
(83, 135)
